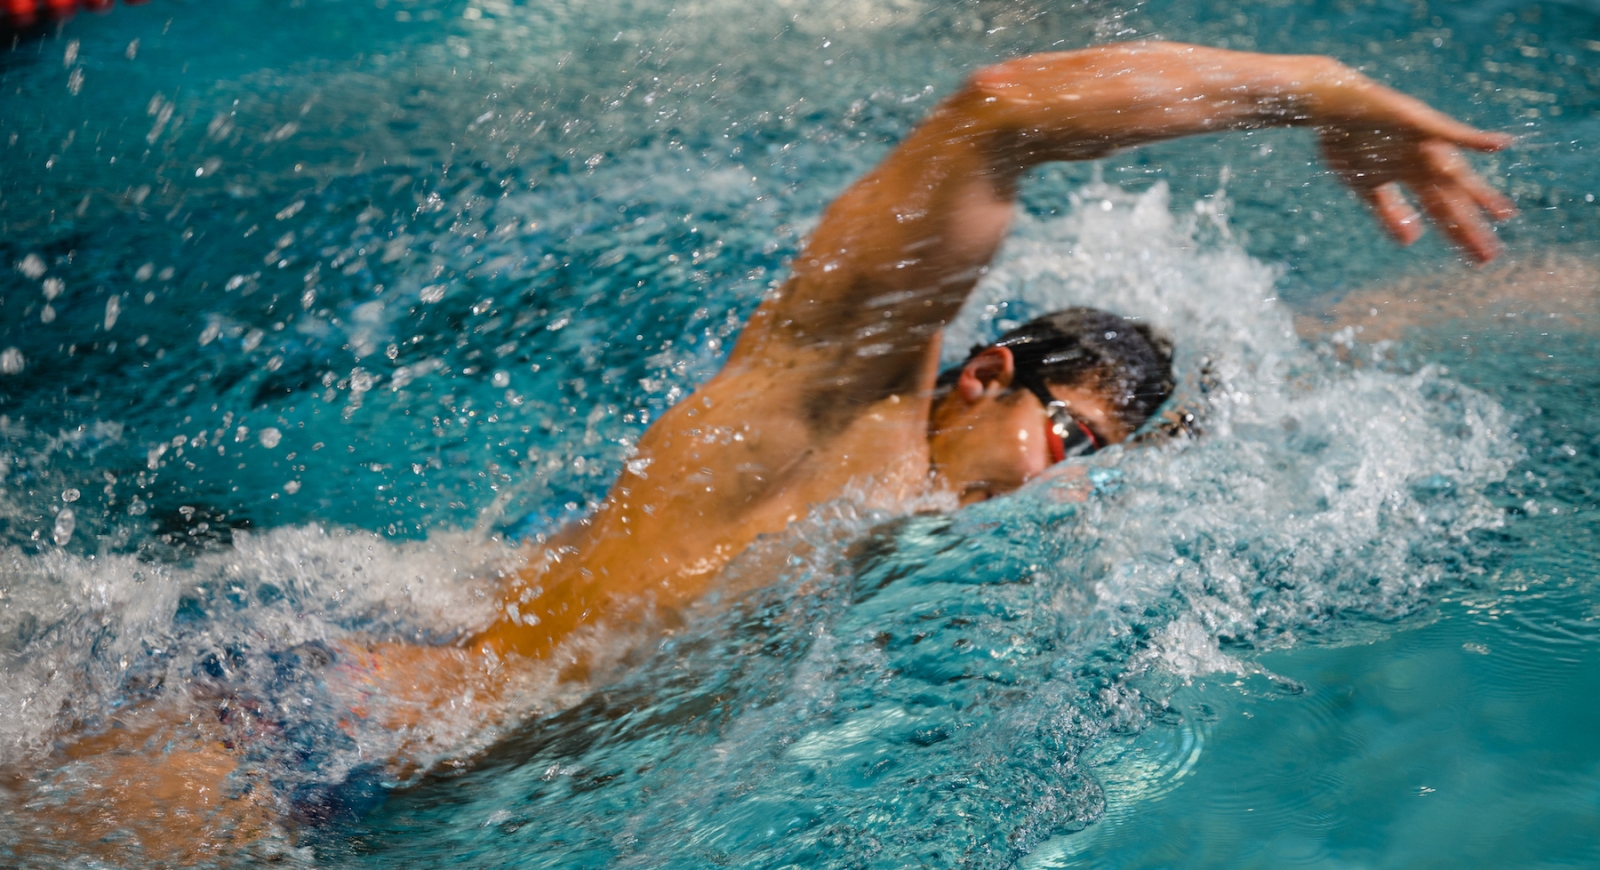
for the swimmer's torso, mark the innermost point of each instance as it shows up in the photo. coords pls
(736, 460)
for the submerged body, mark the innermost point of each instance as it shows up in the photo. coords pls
(832, 389)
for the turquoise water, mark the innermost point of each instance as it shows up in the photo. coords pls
(353, 295)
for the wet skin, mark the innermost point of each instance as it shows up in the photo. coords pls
(830, 387)
(829, 391)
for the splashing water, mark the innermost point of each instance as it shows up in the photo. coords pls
(291, 241)
(925, 689)
(865, 686)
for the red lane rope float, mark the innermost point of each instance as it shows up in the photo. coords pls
(22, 14)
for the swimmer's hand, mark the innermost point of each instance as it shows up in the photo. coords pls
(1085, 104)
(1377, 140)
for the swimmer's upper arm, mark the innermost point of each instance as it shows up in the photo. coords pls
(896, 255)
(890, 264)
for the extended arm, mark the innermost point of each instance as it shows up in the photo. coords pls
(896, 255)
(849, 338)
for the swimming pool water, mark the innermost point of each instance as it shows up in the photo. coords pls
(350, 294)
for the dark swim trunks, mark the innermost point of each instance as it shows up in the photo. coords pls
(291, 726)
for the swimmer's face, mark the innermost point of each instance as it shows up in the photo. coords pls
(986, 439)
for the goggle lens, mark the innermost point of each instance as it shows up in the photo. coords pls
(1065, 435)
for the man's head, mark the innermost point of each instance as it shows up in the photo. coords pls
(991, 427)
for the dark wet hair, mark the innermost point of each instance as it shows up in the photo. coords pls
(1123, 358)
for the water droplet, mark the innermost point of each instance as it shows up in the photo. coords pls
(47, 314)
(113, 308)
(138, 507)
(11, 361)
(66, 523)
(433, 293)
(53, 287)
(32, 266)
(501, 379)
(146, 272)
(252, 340)
(292, 487)
(70, 495)
(210, 334)
(270, 437)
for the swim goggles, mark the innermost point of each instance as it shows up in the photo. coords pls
(1065, 435)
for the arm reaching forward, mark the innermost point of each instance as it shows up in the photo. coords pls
(896, 255)
(831, 378)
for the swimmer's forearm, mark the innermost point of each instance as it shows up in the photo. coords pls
(1085, 104)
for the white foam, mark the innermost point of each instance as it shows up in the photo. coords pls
(78, 627)
(1298, 502)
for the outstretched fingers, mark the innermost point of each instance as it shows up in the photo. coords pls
(1498, 205)
(1435, 124)
(1460, 201)
(1452, 207)
(1394, 212)
(1469, 137)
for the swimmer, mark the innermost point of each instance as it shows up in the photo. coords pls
(834, 379)
(833, 388)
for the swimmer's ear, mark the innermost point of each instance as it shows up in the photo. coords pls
(992, 368)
